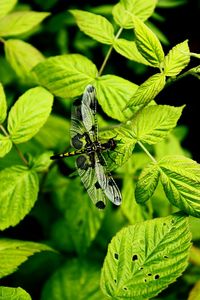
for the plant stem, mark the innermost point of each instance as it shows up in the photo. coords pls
(109, 52)
(194, 71)
(16, 148)
(147, 152)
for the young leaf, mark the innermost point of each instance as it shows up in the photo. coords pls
(129, 50)
(22, 57)
(180, 177)
(161, 119)
(147, 183)
(97, 27)
(148, 44)
(66, 75)
(29, 114)
(14, 252)
(3, 105)
(177, 59)
(5, 145)
(113, 93)
(148, 90)
(143, 259)
(6, 6)
(77, 279)
(18, 193)
(20, 22)
(82, 217)
(42, 162)
(123, 11)
(8, 293)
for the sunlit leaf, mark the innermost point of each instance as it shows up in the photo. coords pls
(20, 22)
(3, 105)
(18, 193)
(6, 6)
(143, 259)
(5, 145)
(96, 26)
(29, 114)
(14, 252)
(9, 293)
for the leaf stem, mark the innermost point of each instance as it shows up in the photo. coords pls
(109, 52)
(194, 71)
(147, 152)
(16, 148)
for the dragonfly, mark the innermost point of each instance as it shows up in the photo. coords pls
(91, 163)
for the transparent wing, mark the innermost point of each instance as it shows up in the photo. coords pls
(77, 129)
(88, 109)
(85, 167)
(106, 181)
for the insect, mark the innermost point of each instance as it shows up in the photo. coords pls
(90, 163)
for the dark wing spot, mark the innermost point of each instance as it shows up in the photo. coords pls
(100, 204)
(93, 128)
(77, 102)
(79, 113)
(82, 162)
(90, 88)
(111, 182)
(76, 143)
(97, 185)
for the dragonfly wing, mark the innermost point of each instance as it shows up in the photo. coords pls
(106, 181)
(85, 167)
(89, 109)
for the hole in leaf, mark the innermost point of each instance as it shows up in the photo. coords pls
(165, 256)
(157, 276)
(116, 256)
(141, 268)
(149, 274)
(134, 257)
(115, 280)
(125, 288)
(145, 280)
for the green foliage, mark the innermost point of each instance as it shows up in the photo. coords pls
(149, 240)
(7, 293)
(147, 267)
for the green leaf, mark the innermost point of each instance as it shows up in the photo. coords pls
(5, 145)
(14, 252)
(124, 10)
(83, 219)
(161, 119)
(195, 291)
(22, 57)
(113, 93)
(18, 193)
(8, 293)
(125, 143)
(177, 59)
(143, 259)
(147, 183)
(20, 22)
(96, 26)
(133, 211)
(129, 50)
(29, 114)
(66, 75)
(3, 105)
(148, 90)
(6, 6)
(53, 135)
(180, 177)
(148, 44)
(170, 3)
(77, 279)
(42, 162)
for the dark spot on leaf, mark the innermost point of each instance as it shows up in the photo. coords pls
(145, 280)
(116, 256)
(115, 280)
(135, 257)
(157, 276)
(141, 268)
(125, 288)
(164, 224)
(172, 221)
(149, 274)
(100, 204)
(165, 256)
